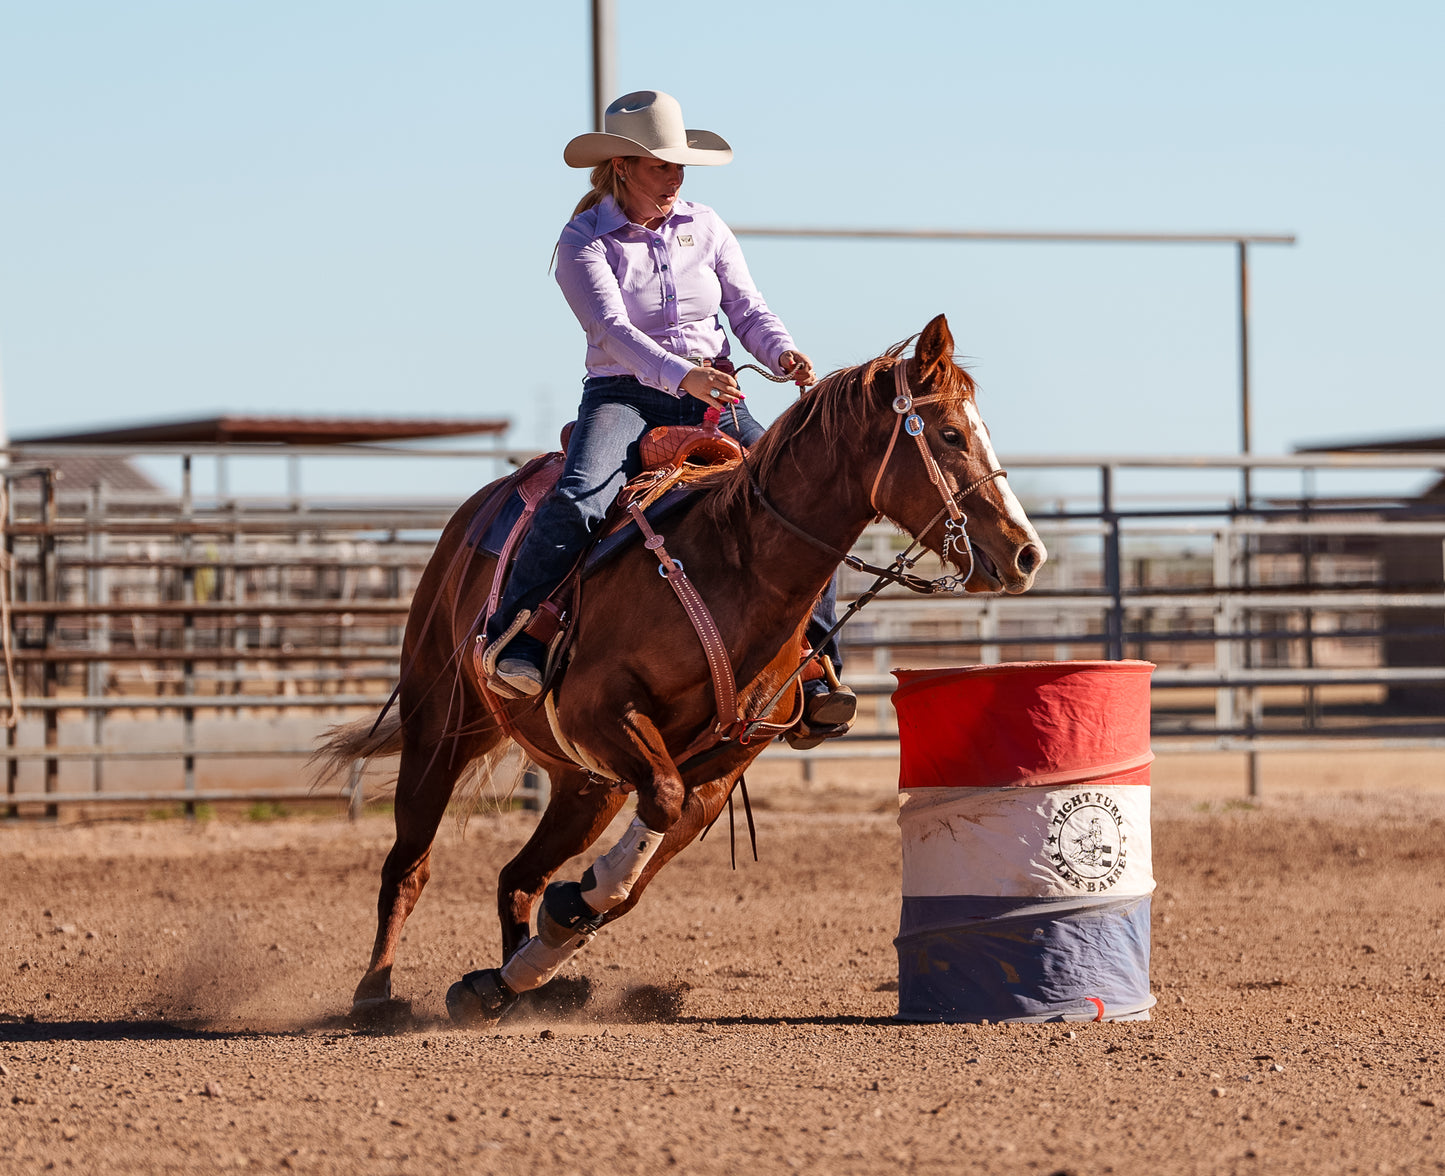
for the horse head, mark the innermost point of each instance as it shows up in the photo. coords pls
(939, 478)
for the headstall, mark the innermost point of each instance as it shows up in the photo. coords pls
(955, 524)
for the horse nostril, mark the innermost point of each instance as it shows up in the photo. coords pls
(1030, 557)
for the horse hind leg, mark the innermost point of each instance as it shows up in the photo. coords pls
(430, 767)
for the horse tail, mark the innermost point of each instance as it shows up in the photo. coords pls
(345, 743)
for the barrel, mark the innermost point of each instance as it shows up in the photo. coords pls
(1024, 812)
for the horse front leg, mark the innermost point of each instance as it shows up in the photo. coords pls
(578, 812)
(572, 912)
(703, 806)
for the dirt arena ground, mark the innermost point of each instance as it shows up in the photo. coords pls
(170, 996)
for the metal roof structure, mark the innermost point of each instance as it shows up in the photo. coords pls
(114, 473)
(273, 430)
(1413, 444)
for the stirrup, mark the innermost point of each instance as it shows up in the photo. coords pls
(805, 737)
(485, 654)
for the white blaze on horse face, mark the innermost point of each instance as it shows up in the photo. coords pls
(616, 872)
(1013, 508)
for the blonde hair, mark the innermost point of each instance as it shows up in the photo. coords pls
(606, 180)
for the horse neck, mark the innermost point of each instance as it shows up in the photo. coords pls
(822, 490)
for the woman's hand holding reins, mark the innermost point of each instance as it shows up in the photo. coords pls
(711, 386)
(798, 368)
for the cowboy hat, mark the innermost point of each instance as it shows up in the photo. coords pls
(647, 122)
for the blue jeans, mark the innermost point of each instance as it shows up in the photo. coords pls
(615, 413)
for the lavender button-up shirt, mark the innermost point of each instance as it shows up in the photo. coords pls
(647, 298)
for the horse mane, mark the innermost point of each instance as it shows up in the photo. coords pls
(837, 402)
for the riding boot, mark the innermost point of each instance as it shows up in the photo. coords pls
(828, 710)
(828, 705)
(513, 661)
(522, 664)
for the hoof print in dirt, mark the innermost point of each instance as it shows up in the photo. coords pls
(381, 1016)
(480, 999)
(654, 1002)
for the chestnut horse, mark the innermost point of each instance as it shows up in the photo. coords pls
(637, 688)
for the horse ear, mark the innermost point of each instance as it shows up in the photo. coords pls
(935, 345)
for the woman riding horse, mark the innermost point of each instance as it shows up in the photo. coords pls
(899, 436)
(646, 274)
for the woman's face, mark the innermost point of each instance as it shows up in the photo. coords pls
(651, 186)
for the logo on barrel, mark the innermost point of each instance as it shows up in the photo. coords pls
(1086, 842)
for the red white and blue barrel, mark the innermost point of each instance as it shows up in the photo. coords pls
(1027, 873)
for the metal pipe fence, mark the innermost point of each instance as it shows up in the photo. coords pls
(197, 633)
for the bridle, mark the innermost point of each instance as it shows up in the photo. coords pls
(955, 527)
(955, 524)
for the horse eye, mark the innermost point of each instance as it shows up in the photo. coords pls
(951, 436)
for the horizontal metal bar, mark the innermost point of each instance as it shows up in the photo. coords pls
(203, 525)
(1290, 743)
(105, 752)
(1327, 459)
(1422, 460)
(877, 684)
(1143, 637)
(211, 608)
(183, 702)
(879, 746)
(210, 796)
(38, 452)
(1039, 235)
(1172, 679)
(872, 684)
(207, 655)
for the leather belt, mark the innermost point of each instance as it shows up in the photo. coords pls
(722, 363)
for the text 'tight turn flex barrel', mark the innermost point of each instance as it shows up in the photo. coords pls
(1024, 809)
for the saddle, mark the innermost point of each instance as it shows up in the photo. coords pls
(672, 457)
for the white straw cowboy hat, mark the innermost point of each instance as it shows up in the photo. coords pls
(646, 122)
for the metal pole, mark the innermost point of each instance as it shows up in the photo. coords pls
(604, 57)
(97, 673)
(50, 591)
(1113, 568)
(1247, 496)
(1312, 713)
(1245, 411)
(188, 643)
(7, 585)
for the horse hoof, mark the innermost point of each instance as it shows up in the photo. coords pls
(479, 999)
(381, 1012)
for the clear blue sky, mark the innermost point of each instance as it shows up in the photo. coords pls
(326, 207)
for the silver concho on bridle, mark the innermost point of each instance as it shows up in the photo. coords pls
(955, 531)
